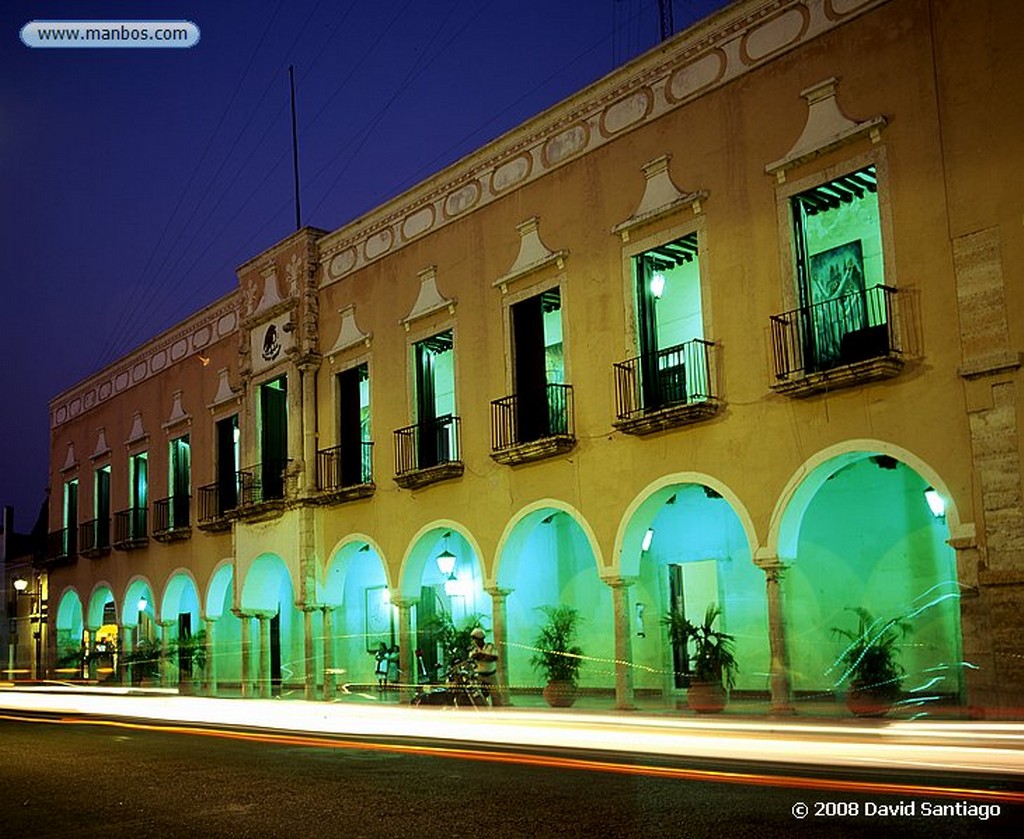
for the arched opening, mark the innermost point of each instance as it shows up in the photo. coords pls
(442, 570)
(224, 660)
(187, 640)
(141, 644)
(863, 536)
(70, 640)
(688, 549)
(548, 559)
(277, 646)
(102, 638)
(356, 588)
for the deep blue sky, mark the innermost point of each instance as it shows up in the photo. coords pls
(133, 182)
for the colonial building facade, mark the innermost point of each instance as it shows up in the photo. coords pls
(735, 326)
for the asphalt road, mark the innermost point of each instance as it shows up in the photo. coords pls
(90, 778)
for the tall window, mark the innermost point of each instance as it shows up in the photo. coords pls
(354, 425)
(435, 399)
(273, 436)
(669, 318)
(179, 480)
(227, 464)
(70, 518)
(101, 506)
(539, 364)
(838, 252)
(138, 468)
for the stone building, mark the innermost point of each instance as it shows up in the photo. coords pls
(734, 326)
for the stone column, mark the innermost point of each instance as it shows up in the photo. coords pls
(330, 679)
(246, 627)
(781, 689)
(308, 370)
(210, 671)
(309, 683)
(407, 677)
(624, 695)
(264, 671)
(977, 687)
(164, 651)
(90, 647)
(125, 645)
(501, 694)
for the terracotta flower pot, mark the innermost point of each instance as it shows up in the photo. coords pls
(706, 697)
(866, 702)
(559, 694)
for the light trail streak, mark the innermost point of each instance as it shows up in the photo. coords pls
(561, 763)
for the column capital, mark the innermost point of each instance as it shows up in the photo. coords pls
(165, 624)
(619, 581)
(404, 602)
(498, 591)
(210, 620)
(241, 614)
(328, 607)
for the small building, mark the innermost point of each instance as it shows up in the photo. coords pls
(734, 326)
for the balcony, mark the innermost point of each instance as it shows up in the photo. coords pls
(842, 342)
(130, 529)
(262, 491)
(62, 546)
(428, 452)
(344, 473)
(665, 389)
(533, 425)
(94, 538)
(171, 518)
(215, 502)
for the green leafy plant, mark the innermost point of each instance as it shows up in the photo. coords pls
(558, 656)
(454, 640)
(869, 658)
(145, 659)
(191, 649)
(714, 652)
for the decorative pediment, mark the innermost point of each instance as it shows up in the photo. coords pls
(101, 444)
(178, 414)
(270, 297)
(224, 391)
(138, 433)
(349, 333)
(69, 460)
(533, 254)
(661, 197)
(826, 128)
(429, 300)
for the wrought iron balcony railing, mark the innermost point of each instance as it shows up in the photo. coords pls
(215, 502)
(344, 466)
(130, 528)
(677, 375)
(171, 516)
(62, 545)
(531, 416)
(94, 537)
(261, 483)
(427, 444)
(835, 333)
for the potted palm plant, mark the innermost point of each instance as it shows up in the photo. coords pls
(558, 657)
(190, 653)
(145, 662)
(713, 664)
(869, 662)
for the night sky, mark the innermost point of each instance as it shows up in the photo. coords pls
(134, 181)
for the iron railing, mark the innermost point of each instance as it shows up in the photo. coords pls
(216, 500)
(130, 526)
(94, 535)
(341, 466)
(673, 376)
(173, 513)
(62, 544)
(532, 415)
(847, 329)
(426, 444)
(262, 482)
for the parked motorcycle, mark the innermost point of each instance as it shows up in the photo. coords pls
(461, 689)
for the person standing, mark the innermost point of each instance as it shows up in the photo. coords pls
(485, 658)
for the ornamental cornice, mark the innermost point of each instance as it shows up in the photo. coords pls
(186, 340)
(695, 62)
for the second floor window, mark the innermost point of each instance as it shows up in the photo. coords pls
(354, 426)
(180, 480)
(435, 399)
(669, 317)
(228, 437)
(538, 363)
(101, 506)
(70, 517)
(138, 468)
(273, 436)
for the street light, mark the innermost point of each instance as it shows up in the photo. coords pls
(21, 585)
